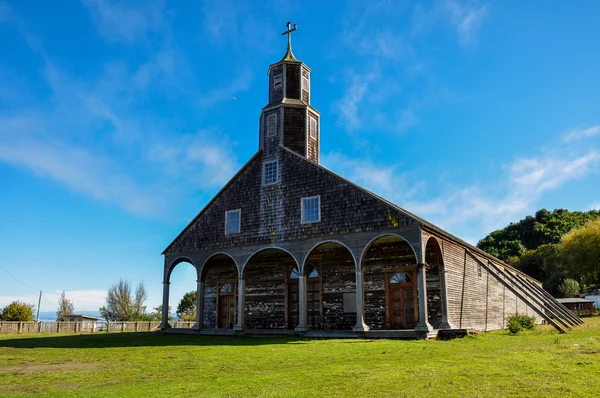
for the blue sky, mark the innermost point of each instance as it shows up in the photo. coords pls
(119, 121)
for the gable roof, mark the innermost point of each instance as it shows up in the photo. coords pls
(424, 223)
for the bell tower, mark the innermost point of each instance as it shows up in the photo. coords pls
(288, 119)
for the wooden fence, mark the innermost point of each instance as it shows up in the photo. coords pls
(84, 327)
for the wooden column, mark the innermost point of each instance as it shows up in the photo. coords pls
(200, 305)
(423, 325)
(302, 310)
(444, 292)
(165, 307)
(241, 304)
(360, 326)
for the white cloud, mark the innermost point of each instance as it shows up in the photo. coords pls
(594, 206)
(126, 23)
(474, 209)
(78, 170)
(349, 106)
(466, 19)
(578, 133)
(384, 180)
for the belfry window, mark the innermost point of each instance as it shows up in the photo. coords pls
(270, 173)
(305, 83)
(271, 125)
(310, 209)
(313, 127)
(277, 82)
(233, 221)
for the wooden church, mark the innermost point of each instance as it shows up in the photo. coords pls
(289, 247)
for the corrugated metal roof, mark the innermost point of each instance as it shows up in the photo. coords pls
(574, 300)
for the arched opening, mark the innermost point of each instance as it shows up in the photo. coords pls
(219, 276)
(182, 293)
(389, 268)
(330, 287)
(267, 274)
(434, 282)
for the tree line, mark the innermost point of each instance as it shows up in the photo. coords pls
(560, 248)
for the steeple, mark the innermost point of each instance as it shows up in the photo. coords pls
(289, 55)
(289, 119)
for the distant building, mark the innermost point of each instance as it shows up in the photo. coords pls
(595, 299)
(578, 305)
(80, 318)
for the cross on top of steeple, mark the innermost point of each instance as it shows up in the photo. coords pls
(289, 56)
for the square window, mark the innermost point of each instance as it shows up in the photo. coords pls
(271, 124)
(310, 209)
(277, 82)
(270, 173)
(313, 127)
(233, 221)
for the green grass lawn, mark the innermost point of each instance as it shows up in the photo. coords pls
(540, 363)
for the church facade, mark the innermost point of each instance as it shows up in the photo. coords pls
(288, 246)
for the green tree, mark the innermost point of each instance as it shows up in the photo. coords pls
(581, 252)
(65, 307)
(533, 231)
(186, 310)
(157, 314)
(17, 311)
(122, 304)
(569, 288)
(545, 264)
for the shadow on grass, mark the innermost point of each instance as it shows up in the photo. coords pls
(131, 339)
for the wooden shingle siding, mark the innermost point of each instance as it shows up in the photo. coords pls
(294, 131)
(265, 295)
(339, 277)
(270, 144)
(277, 95)
(273, 215)
(292, 81)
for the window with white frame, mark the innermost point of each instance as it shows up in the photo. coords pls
(233, 220)
(310, 209)
(271, 124)
(277, 82)
(270, 172)
(313, 127)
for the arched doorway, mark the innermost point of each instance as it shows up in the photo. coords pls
(219, 277)
(390, 293)
(267, 296)
(435, 283)
(182, 292)
(330, 287)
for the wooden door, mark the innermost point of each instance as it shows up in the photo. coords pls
(226, 305)
(402, 296)
(313, 303)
